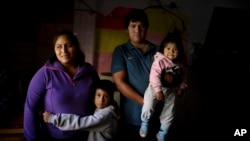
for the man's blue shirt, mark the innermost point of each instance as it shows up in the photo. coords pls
(137, 66)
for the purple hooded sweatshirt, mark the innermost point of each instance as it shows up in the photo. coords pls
(52, 89)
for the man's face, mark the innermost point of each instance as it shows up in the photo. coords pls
(136, 31)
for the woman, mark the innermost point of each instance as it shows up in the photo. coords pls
(65, 84)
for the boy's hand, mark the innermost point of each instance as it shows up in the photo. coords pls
(46, 116)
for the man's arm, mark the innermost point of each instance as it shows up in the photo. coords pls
(125, 89)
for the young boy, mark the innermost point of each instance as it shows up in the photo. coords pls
(102, 125)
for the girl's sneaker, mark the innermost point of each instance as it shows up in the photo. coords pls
(160, 137)
(144, 129)
(162, 133)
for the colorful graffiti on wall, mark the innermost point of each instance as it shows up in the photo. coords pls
(110, 32)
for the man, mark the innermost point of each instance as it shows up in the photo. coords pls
(131, 64)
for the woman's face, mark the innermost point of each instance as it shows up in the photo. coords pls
(65, 51)
(102, 98)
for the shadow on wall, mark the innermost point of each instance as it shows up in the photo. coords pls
(13, 90)
(227, 38)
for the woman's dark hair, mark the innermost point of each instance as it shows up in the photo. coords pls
(137, 15)
(80, 57)
(173, 38)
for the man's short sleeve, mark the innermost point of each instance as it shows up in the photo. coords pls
(118, 62)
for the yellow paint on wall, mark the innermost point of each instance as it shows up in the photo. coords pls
(161, 21)
(108, 39)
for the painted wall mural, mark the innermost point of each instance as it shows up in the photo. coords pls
(110, 31)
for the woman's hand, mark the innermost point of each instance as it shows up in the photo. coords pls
(46, 116)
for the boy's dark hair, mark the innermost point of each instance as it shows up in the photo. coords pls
(137, 15)
(173, 37)
(108, 86)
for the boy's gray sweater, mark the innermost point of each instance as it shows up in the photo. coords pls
(102, 125)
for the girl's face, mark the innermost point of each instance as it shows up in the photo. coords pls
(102, 98)
(136, 31)
(65, 51)
(171, 51)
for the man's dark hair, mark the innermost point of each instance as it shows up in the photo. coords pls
(137, 15)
